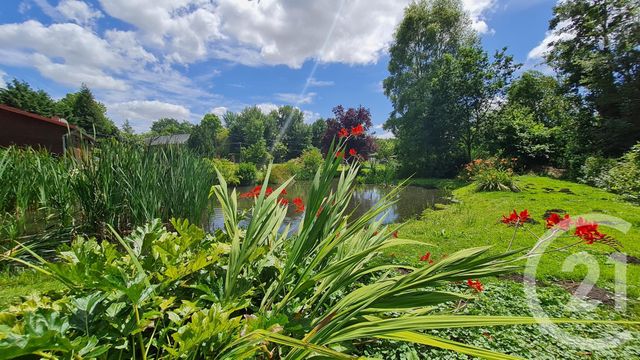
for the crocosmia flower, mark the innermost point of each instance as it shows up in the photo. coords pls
(475, 285)
(357, 130)
(343, 133)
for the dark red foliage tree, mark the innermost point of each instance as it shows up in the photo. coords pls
(363, 144)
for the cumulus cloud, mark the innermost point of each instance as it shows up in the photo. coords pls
(141, 113)
(477, 10)
(551, 36)
(267, 107)
(310, 116)
(3, 79)
(220, 110)
(78, 11)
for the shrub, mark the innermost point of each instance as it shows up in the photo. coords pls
(282, 172)
(310, 160)
(379, 173)
(247, 173)
(620, 176)
(256, 153)
(227, 168)
(493, 179)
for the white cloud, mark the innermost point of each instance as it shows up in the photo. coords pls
(3, 79)
(296, 99)
(310, 116)
(313, 82)
(78, 12)
(220, 110)
(267, 107)
(380, 133)
(477, 10)
(141, 113)
(559, 33)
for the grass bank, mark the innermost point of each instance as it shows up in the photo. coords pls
(475, 221)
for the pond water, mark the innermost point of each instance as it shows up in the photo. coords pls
(412, 201)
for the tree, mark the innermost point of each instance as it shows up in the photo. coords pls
(534, 122)
(127, 128)
(349, 119)
(442, 86)
(170, 126)
(293, 132)
(89, 114)
(599, 62)
(318, 128)
(204, 137)
(246, 128)
(19, 94)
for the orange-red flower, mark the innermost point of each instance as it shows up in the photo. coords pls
(299, 204)
(358, 130)
(283, 202)
(588, 231)
(555, 219)
(353, 152)
(515, 218)
(340, 154)
(255, 192)
(475, 285)
(395, 234)
(427, 257)
(343, 133)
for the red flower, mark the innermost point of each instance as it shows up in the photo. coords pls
(515, 218)
(343, 133)
(555, 219)
(588, 231)
(426, 257)
(283, 192)
(353, 152)
(340, 154)
(283, 202)
(299, 204)
(358, 130)
(269, 191)
(475, 285)
(253, 193)
(395, 234)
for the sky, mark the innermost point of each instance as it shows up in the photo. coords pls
(147, 59)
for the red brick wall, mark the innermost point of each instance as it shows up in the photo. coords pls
(20, 130)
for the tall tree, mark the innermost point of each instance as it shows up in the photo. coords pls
(348, 119)
(90, 115)
(205, 136)
(245, 129)
(318, 128)
(599, 60)
(441, 85)
(293, 132)
(19, 94)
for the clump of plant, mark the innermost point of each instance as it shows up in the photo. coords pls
(491, 174)
(259, 290)
(247, 173)
(227, 168)
(620, 176)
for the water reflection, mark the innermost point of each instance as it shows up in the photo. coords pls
(411, 202)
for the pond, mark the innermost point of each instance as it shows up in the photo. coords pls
(412, 201)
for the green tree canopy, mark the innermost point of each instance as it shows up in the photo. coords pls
(89, 114)
(442, 86)
(205, 137)
(599, 61)
(19, 94)
(170, 126)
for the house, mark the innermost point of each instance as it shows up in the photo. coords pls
(175, 139)
(22, 128)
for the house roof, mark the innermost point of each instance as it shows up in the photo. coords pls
(175, 139)
(54, 120)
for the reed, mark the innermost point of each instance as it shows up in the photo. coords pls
(46, 199)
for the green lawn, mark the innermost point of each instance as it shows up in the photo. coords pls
(16, 284)
(474, 221)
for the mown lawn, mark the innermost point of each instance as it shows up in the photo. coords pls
(475, 221)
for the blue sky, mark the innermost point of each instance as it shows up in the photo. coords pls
(147, 59)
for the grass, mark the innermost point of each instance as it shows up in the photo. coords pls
(474, 221)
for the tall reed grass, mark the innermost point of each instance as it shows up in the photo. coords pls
(46, 199)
